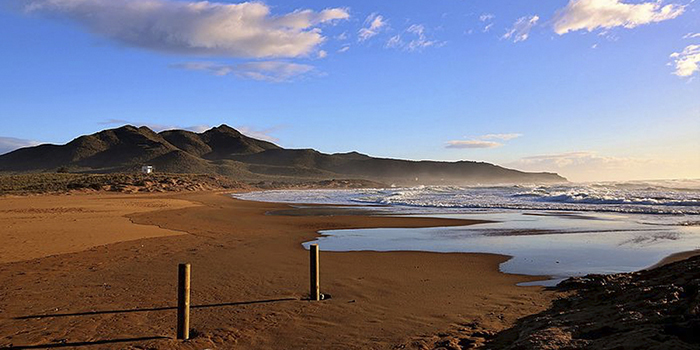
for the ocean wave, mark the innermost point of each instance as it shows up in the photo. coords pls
(587, 198)
(642, 198)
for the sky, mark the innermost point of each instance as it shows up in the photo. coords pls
(595, 90)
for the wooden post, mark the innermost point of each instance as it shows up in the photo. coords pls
(183, 302)
(315, 291)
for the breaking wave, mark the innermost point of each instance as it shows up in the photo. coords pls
(664, 197)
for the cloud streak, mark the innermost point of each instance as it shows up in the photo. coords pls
(9, 144)
(260, 134)
(466, 144)
(271, 71)
(483, 141)
(572, 159)
(246, 29)
(521, 29)
(416, 39)
(374, 24)
(504, 137)
(486, 17)
(606, 14)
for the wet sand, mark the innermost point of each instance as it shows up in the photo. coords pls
(110, 281)
(675, 258)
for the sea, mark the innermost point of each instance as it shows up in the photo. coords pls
(557, 231)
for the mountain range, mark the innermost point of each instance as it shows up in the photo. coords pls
(225, 151)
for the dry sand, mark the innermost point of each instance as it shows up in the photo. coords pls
(99, 271)
(39, 226)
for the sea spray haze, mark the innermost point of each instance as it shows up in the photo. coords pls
(680, 197)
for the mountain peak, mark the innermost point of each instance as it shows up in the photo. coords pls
(126, 127)
(224, 129)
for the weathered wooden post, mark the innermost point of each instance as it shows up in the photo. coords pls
(183, 302)
(315, 291)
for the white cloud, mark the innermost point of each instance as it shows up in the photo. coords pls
(687, 62)
(418, 39)
(247, 29)
(394, 42)
(521, 28)
(483, 141)
(594, 14)
(260, 134)
(374, 24)
(9, 144)
(486, 17)
(322, 54)
(342, 36)
(691, 36)
(504, 137)
(461, 144)
(272, 71)
(344, 49)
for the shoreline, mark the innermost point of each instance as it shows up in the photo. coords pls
(241, 255)
(675, 257)
(316, 209)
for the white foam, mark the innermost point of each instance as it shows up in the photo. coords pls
(667, 197)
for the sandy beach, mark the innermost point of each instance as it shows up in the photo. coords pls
(180, 174)
(99, 270)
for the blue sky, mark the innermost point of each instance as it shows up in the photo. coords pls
(591, 89)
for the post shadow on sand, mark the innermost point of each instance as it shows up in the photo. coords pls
(125, 340)
(106, 312)
(84, 343)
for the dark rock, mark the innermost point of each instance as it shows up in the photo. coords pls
(652, 309)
